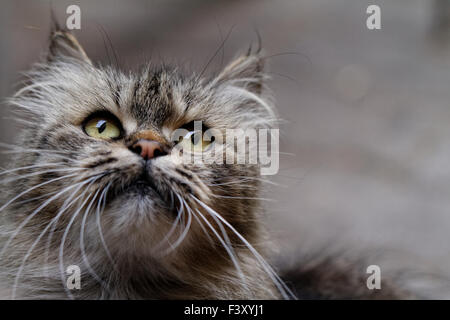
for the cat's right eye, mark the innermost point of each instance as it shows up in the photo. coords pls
(195, 141)
(102, 126)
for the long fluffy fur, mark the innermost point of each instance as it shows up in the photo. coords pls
(186, 231)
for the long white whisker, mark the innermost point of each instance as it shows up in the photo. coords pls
(28, 218)
(63, 240)
(36, 198)
(82, 245)
(53, 225)
(244, 179)
(185, 231)
(34, 187)
(40, 173)
(224, 234)
(15, 148)
(173, 227)
(200, 224)
(67, 204)
(284, 290)
(227, 247)
(99, 226)
(40, 236)
(60, 154)
(243, 198)
(42, 152)
(31, 167)
(30, 250)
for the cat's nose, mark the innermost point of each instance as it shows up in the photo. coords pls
(148, 149)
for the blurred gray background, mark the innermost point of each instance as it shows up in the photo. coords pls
(367, 112)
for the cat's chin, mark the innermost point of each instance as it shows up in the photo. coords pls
(141, 208)
(142, 190)
(143, 201)
(136, 220)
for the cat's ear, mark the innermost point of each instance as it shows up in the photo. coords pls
(247, 70)
(63, 44)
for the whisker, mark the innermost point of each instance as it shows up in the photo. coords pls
(252, 178)
(185, 231)
(64, 237)
(28, 218)
(243, 198)
(227, 248)
(173, 227)
(240, 182)
(40, 173)
(36, 198)
(82, 244)
(222, 44)
(59, 154)
(67, 204)
(19, 149)
(99, 226)
(53, 154)
(30, 167)
(284, 290)
(30, 250)
(200, 224)
(34, 187)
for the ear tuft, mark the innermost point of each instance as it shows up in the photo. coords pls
(247, 69)
(63, 44)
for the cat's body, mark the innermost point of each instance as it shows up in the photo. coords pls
(139, 226)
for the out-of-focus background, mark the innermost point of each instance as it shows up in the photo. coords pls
(367, 130)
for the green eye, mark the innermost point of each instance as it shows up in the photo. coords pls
(102, 127)
(194, 141)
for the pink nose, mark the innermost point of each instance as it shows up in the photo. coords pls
(148, 149)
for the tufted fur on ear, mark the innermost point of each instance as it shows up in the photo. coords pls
(64, 45)
(247, 71)
(242, 83)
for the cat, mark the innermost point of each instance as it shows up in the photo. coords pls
(95, 183)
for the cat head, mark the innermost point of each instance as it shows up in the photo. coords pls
(99, 154)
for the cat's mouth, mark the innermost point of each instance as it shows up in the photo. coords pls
(143, 186)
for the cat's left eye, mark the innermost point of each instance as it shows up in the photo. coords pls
(102, 127)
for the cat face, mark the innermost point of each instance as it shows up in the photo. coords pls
(99, 143)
